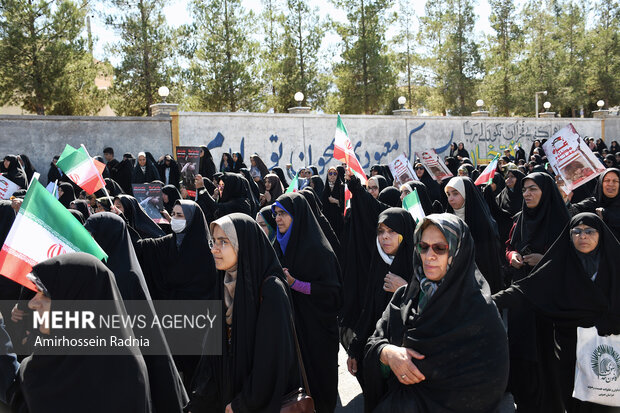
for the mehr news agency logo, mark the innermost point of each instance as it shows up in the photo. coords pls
(605, 363)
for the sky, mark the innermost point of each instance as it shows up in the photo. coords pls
(177, 13)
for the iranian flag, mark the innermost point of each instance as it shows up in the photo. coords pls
(82, 169)
(489, 172)
(343, 151)
(294, 185)
(43, 228)
(347, 198)
(412, 204)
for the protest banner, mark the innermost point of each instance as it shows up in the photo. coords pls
(571, 158)
(436, 168)
(150, 199)
(402, 170)
(188, 158)
(7, 187)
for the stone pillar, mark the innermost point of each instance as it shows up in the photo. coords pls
(299, 109)
(600, 114)
(164, 109)
(402, 112)
(547, 115)
(481, 113)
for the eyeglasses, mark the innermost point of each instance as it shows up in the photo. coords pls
(280, 214)
(588, 232)
(419, 168)
(373, 188)
(332, 173)
(220, 244)
(439, 249)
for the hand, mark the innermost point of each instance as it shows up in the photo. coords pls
(267, 196)
(393, 282)
(516, 261)
(17, 315)
(229, 408)
(166, 215)
(532, 259)
(16, 203)
(352, 366)
(114, 209)
(199, 182)
(290, 280)
(183, 192)
(333, 200)
(216, 194)
(347, 174)
(399, 360)
(599, 212)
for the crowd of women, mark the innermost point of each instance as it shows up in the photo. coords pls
(478, 300)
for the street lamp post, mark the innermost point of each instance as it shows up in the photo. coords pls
(546, 113)
(601, 114)
(163, 92)
(480, 111)
(401, 111)
(544, 92)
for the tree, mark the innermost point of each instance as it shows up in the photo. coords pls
(498, 87)
(272, 20)
(223, 72)
(406, 38)
(365, 78)
(145, 49)
(44, 66)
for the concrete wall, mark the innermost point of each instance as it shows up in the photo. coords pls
(42, 137)
(301, 140)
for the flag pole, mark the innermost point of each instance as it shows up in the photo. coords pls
(105, 190)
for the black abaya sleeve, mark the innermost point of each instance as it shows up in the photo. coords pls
(275, 368)
(587, 205)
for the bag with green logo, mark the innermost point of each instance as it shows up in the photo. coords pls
(597, 369)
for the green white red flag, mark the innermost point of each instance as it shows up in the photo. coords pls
(294, 185)
(343, 151)
(43, 228)
(412, 204)
(489, 172)
(84, 171)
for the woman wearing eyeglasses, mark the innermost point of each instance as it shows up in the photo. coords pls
(440, 345)
(390, 268)
(575, 284)
(258, 365)
(313, 273)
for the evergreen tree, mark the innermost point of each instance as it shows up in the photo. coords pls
(405, 39)
(272, 19)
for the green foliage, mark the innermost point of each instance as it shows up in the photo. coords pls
(44, 66)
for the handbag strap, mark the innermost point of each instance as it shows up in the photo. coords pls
(300, 361)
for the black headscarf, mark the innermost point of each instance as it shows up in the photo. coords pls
(258, 367)
(236, 166)
(173, 195)
(151, 174)
(276, 187)
(15, 173)
(267, 215)
(228, 167)
(453, 165)
(434, 189)
(78, 215)
(498, 180)
(68, 383)
(602, 199)
(459, 319)
(327, 229)
(511, 200)
(67, 194)
(401, 222)
(317, 185)
(278, 171)
(138, 219)
(251, 189)
(539, 227)
(207, 166)
(125, 171)
(390, 196)
(420, 188)
(334, 212)
(483, 229)
(174, 175)
(381, 181)
(28, 167)
(112, 187)
(262, 168)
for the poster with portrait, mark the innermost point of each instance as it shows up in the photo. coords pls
(402, 170)
(188, 159)
(434, 165)
(150, 199)
(571, 158)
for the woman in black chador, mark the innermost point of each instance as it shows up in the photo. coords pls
(75, 383)
(333, 201)
(231, 195)
(576, 285)
(390, 268)
(14, 172)
(440, 345)
(259, 364)
(312, 271)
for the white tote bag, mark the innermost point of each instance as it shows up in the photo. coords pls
(597, 369)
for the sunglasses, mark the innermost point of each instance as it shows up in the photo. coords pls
(332, 173)
(588, 231)
(439, 249)
(419, 168)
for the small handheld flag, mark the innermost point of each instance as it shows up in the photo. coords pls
(489, 172)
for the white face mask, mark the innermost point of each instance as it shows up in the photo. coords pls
(177, 224)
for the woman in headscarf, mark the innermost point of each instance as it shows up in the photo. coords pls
(610, 161)
(327, 229)
(420, 188)
(434, 189)
(453, 149)
(111, 233)
(27, 166)
(390, 268)
(273, 189)
(136, 217)
(461, 152)
(230, 196)
(333, 201)
(267, 222)
(537, 226)
(466, 202)
(14, 172)
(72, 383)
(536, 145)
(251, 188)
(453, 165)
(600, 145)
(207, 166)
(66, 194)
(226, 163)
(258, 366)
(54, 174)
(278, 171)
(316, 183)
(614, 147)
(465, 170)
(258, 169)
(237, 162)
(606, 202)
(169, 171)
(507, 203)
(145, 171)
(390, 196)
(440, 345)
(376, 184)
(312, 271)
(575, 285)
(125, 172)
(170, 194)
